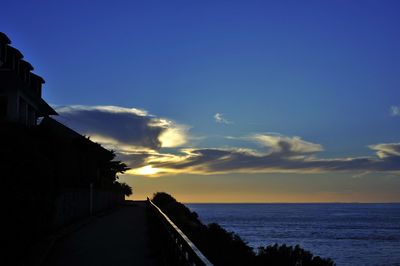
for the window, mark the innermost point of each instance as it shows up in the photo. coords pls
(3, 107)
(31, 116)
(22, 111)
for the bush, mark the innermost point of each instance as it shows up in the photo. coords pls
(288, 255)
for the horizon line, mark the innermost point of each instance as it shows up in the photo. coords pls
(284, 202)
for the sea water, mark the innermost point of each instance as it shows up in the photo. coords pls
(350, 234)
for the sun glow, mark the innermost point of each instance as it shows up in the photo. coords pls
(145, 170)
(174, 136)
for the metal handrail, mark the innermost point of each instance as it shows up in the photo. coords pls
(190, 253)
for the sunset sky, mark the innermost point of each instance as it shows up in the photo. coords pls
(227, 101)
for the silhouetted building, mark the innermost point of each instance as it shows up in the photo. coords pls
(20, 89)
(76, 160)
(47, 170)
(81, 161)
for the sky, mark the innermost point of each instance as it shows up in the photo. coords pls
(227, 101)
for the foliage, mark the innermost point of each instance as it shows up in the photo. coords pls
(126, 189)
(227, 248)
(110, 168)
(122, 187)
(288, 255)
(117, 166)
(175, 209)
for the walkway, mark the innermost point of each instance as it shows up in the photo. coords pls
(119, 238)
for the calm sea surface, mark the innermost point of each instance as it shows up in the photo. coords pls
(350, 234)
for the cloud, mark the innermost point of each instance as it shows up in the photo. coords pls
(125, 129)
(104, 108)
(155, 146)
(395, 110)
(290, 145)
(174, 136)
(222, 161)
(386, 150)
(219, 118)
(285, 155)
(362, 174)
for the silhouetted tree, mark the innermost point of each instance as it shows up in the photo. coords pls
(110, 168)
(126, 189)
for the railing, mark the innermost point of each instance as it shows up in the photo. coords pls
(186, 253)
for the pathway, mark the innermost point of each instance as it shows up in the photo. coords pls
(119, 238)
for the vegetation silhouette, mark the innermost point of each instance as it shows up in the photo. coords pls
(124, 187)
(227, 248)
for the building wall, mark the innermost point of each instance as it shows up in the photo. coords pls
(45, 184)
(74, 204)
(19, 108)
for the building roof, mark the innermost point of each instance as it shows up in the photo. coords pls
(4, 38)
(28, 66)
(31, 88)
(15, 51)
(45, 109)
(39, 78)
(59, 131)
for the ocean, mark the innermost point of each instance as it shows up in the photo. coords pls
(350, 234)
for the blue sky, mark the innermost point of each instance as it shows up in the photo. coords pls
(324, 71)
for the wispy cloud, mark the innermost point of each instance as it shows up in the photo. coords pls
(283, 144)
(395, 110)
(386, 150)
(158, 146)
(361, 174)
(219, 118)
(102, 108)
(223, 161)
